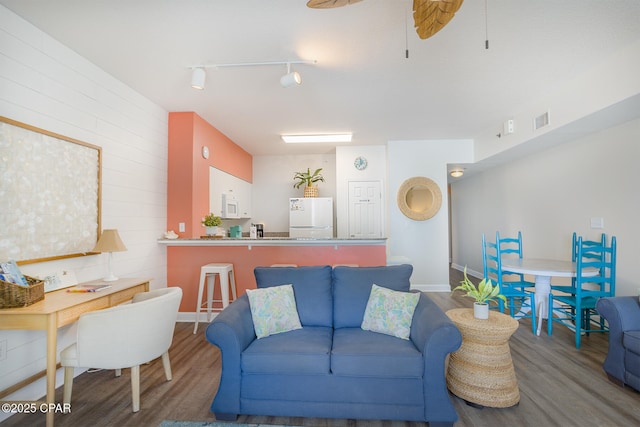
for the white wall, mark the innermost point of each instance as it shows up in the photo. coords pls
(273, 186)
(550, 195)
(44, 84)
(425, 243)
(610, 82)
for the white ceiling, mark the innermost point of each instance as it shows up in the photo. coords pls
(450, 86)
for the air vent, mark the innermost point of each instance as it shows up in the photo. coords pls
(541, 121)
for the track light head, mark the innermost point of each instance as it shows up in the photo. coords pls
(290, 79)
(198, 77)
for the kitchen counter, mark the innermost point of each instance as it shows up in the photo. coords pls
(185, 257)
(273, 241)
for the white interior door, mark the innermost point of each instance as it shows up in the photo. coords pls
(365, 209)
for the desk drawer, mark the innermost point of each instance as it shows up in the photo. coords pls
(72, 314)
(127, 294)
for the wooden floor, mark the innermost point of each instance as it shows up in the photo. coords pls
(559, 386)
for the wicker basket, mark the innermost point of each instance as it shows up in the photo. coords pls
(12, 295)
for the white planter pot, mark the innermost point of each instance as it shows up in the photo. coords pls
(212, 231)
(480, 311)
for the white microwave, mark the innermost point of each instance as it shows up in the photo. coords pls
(230, 207)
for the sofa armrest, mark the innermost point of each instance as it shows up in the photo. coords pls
(232, 331)
(622, 314)
(435, 335)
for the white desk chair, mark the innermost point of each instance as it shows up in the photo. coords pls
(124, 336)
(208, 273)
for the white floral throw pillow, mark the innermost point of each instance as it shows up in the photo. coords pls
(390, 312)
(273, 310)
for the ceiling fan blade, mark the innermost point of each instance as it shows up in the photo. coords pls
(328, 4)
(431, 16)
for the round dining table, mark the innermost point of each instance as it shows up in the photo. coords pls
(543, 270)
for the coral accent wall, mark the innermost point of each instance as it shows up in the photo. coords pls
(188, 202)
(188, 171)
(184, 263)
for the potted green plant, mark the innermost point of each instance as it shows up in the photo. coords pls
(212, 222)
(483, 294)
(307, 179)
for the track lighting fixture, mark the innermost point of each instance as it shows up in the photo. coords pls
(198, 77)
(292, 78)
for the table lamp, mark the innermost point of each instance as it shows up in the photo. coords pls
(110, 242)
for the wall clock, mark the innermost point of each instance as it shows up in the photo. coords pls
(360, 163)
(205, 152)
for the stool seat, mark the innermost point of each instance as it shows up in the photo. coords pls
(226, 278)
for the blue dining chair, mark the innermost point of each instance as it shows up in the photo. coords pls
(513, 286)
(586, 244)
(576, 310)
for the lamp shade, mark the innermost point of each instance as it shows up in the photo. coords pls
(109, 241)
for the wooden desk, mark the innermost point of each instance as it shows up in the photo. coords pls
(60, 308)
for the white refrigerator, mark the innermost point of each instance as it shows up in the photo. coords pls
(311, 217)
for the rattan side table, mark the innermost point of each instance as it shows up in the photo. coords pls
(481, 371)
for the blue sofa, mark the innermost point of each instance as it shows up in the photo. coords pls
(331, 367)
(622, 364)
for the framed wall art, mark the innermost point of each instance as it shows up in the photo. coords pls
(50, 191)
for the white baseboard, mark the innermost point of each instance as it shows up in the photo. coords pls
(457, 267)
(432, 288)
(470, 272)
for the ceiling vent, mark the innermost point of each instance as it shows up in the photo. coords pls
(541, 121)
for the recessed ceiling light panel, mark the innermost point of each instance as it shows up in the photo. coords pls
(299, 139)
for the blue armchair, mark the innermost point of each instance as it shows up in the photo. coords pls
(622, 364)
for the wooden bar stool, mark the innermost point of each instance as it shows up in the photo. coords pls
(226, 278)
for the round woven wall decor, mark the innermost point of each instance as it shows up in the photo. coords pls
(419, 198)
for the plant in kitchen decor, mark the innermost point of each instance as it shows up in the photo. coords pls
(483, 294)
(212, 224)
(307, 179)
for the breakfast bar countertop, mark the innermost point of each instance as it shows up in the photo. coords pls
(186, 256)
(273, 241)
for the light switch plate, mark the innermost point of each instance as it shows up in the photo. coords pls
(181, 227)
(597, 222)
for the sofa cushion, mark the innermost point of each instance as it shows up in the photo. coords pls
(352, 286)
(390, 312)
(303, 351)
(631, 341)
(273, 310)
(364, 353)
(311, 286)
